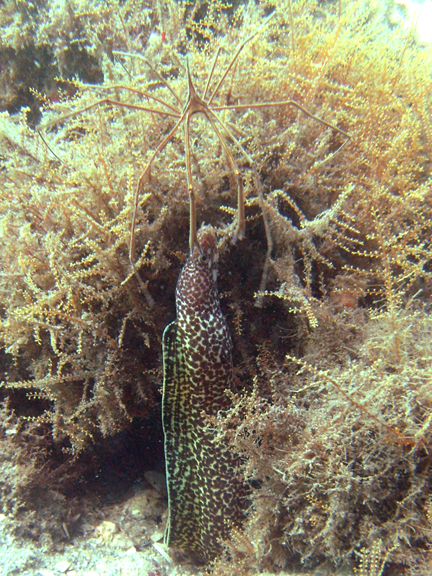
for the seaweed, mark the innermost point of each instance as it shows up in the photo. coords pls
(332, 417)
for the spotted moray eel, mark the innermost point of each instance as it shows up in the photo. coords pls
(205, 497)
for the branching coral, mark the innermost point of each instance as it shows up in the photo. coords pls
(340, 457)
(71, 299)
(333, 411)
(67, 309)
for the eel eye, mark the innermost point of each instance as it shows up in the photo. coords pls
(204, 258)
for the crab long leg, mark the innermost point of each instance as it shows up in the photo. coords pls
(143, 93)
(261, 201)
(143, 177)
(161, 78)
(241, 223)
(210, 76)
(284, 103)
(111, 102)
(236, 55)
(193, 238)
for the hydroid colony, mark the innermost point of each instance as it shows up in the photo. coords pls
(333, 414)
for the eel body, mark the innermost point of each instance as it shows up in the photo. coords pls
(205, 497)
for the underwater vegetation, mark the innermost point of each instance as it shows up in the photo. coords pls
(332, 417)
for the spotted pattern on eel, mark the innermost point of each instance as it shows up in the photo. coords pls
(205, 496)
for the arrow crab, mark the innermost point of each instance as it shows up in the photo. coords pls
(160, 99)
